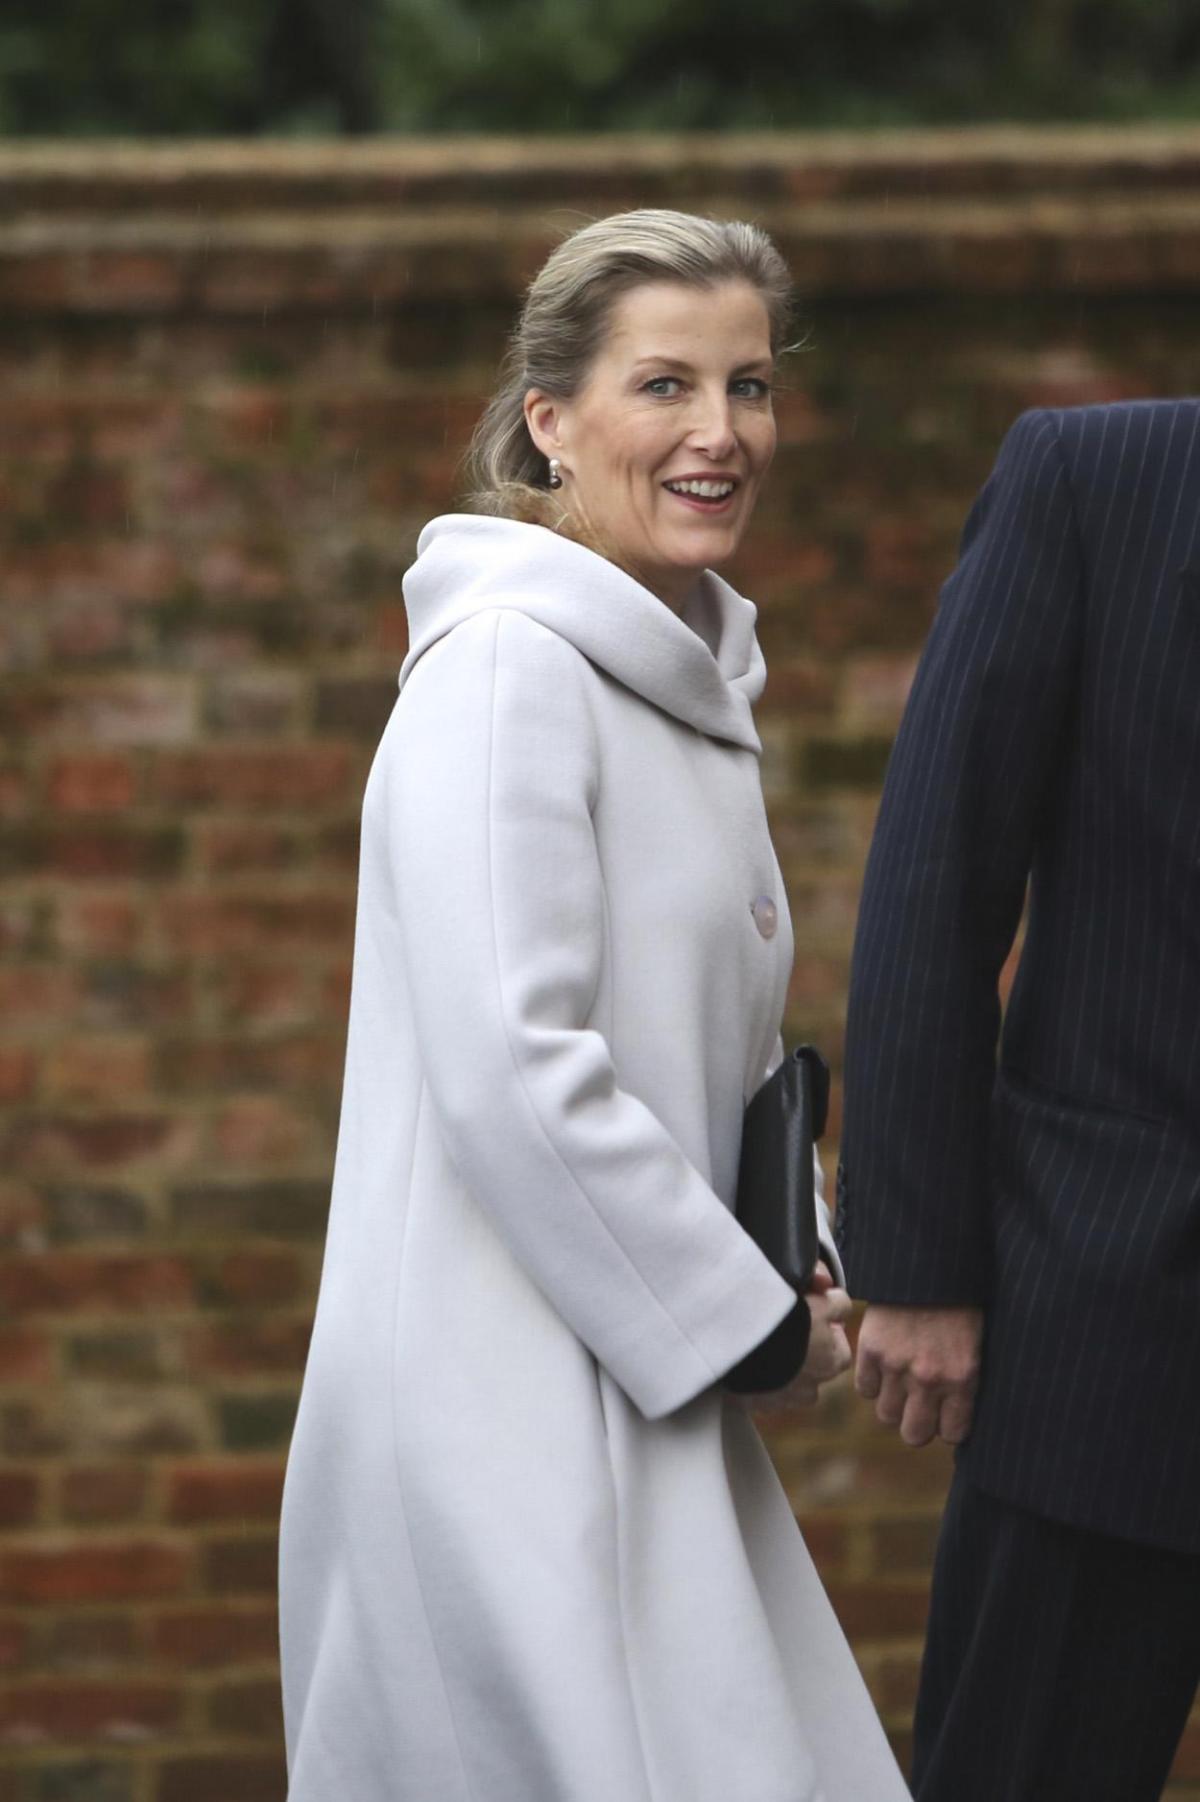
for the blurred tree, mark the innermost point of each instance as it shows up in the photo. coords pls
(178, 68)
(175, 67)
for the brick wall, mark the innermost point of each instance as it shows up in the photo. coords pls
(233, 383)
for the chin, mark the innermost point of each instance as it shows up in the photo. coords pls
(716, 547)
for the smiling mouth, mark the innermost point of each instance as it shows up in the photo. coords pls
(707, 496)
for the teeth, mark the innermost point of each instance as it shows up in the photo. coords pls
(708, 491)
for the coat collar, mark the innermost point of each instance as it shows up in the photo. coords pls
(705, 669)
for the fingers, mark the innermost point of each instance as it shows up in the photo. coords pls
(868, 1372)
(829, 1305)
(954, 1420)
(828, 1351)
(919, 1422)
(921, 1367)
(916, 1408)
(842, 1353)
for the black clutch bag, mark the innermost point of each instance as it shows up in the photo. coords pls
(776, 1204)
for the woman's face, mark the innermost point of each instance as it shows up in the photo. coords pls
(663, 448)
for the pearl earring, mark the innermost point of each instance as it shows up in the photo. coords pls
(555, 480)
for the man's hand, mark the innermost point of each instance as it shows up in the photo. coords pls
(920, 1366)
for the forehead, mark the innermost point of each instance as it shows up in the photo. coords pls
(659, 318)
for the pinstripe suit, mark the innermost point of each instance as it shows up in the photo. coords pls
(1052, 737)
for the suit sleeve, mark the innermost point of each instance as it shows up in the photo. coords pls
(502, 915)
(973, 769)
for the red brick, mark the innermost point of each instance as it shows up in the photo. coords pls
(297, 775)
(391, 631)
(63, 1145)
(889, 1471)
(201, 1778)
(337, 847)
(18, 1073)
(99, 782)
(90, 631)
(258, 1278)
(16, 787)
(233, 571)
(122, 994)
(294, 1062)
(90, 850)
(15, 1641)
(94, 925)
(874, 1610)
(104, 1493)
(62, 1710)
(900, 552)
(37, 994)
(799, 685)
(207, 925)
(827, 1538)
(875, 690)
(257, 702)
(263, 993)
(140, 1420)
(98, 1069)
(901, 1741)
(895, 1682)
(25, 922)
(264, 1132)
(19, 1493)
(120, 710)
(335, 992)
(237, 847)
(82, 1640)
(218, 1635)
(93, 1572)
(251, 1347)
(243, 1566)
(904, 1544)
(234, 1491)
(249, 416)
(66, 1282)
(26, 1355)
(251, 1708)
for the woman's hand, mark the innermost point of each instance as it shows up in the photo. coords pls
(828, 1348)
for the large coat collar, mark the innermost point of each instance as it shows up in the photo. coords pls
(705, 669)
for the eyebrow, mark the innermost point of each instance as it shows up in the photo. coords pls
(751, 368)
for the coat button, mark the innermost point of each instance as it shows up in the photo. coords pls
(765, 916)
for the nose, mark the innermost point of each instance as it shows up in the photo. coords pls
(712, 426)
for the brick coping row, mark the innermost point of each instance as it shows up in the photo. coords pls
(227, 229)
(797, 166)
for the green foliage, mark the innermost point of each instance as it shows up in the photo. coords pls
(178, 67)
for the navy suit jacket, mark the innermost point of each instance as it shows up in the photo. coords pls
(1052, 739)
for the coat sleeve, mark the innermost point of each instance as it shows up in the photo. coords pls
(502, 915)
(975, 764)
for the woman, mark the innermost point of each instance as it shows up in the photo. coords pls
(532, 1551)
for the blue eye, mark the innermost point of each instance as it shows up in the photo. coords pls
(662, 385)
(750, 387)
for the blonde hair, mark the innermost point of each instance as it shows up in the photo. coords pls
(564, 319)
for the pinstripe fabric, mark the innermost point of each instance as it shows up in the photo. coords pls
(1052, 738)
(1071, 1656)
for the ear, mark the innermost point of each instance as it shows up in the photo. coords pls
(544, 418)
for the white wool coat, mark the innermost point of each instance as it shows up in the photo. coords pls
(531, 1552)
